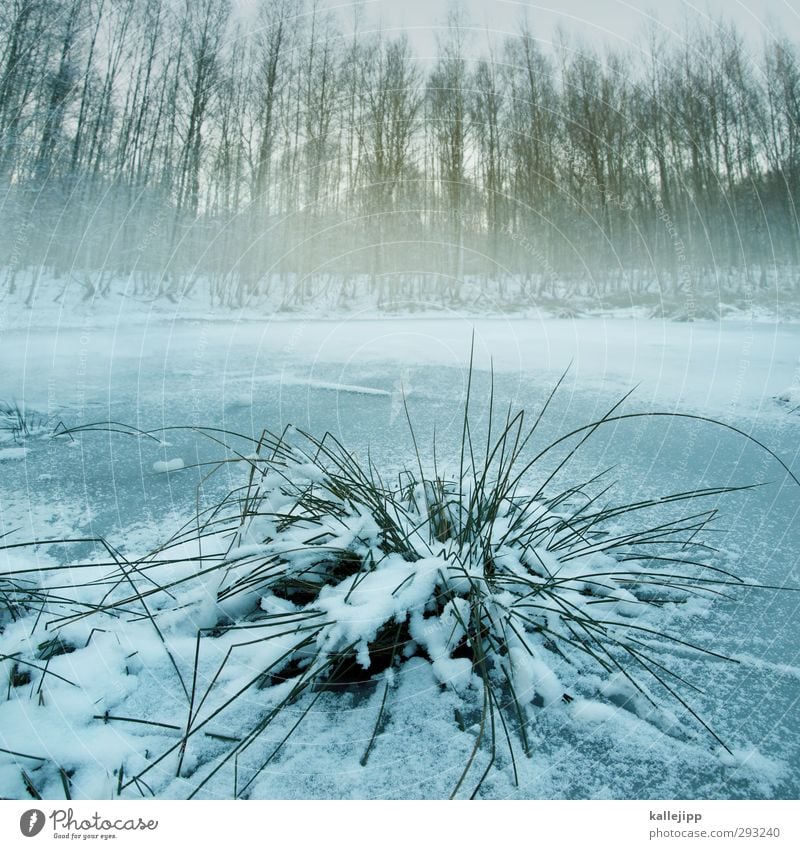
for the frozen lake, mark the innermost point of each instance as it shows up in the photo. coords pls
(350, 378)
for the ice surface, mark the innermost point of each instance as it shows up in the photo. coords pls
(602, 743)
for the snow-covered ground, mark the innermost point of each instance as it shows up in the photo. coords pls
(76, 300)
(350, 376)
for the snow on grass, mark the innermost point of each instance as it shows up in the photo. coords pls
(17, 453)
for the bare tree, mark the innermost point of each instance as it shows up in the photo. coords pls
(449, 116)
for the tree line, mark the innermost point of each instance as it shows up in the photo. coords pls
(173, 144)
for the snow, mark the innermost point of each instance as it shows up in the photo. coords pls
(791, 397)
(174, 465)
(235, 398)
(64, 304)
(607, 741)
(288, 380)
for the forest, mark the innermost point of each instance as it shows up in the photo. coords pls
(171, 146)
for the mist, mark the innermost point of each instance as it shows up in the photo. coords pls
(164, 149)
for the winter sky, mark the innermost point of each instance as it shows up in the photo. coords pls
(615, 21)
